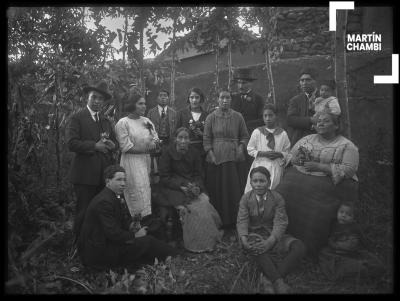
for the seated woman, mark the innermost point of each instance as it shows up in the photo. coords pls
(182, 188)
(323, 175)
(261, 226)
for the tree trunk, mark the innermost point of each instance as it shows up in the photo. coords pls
(230, 71)
(217, 64)
(267, 32)
(340, 70)
(141, 79)
(125, 36)
(173, 66)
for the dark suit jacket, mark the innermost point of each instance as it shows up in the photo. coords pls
(252, 110)
(298, 118)
(82, 133)
(183, 118)
(104, 231)
(155, 117)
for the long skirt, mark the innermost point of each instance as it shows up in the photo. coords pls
(311, 205)
(225, 185)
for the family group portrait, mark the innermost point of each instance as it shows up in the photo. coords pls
(199, 150)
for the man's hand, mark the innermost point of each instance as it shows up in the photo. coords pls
(100, 146)
(142, 232)
(263, 245)
(151, 146)
(109, 144)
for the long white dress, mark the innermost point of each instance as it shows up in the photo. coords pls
(133, 132)
(258, 142)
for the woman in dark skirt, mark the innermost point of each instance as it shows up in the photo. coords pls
(225, 139)
(323, 174)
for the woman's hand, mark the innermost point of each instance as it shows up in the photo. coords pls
(312, 166)
(151, 146)
(272, 155)
(240, 155)
(211, 157)
(142, 232)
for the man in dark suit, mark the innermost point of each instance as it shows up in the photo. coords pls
(91, 137)
(250, 105)
(246, 101)
(301, 107)
(109, 237)
(164, 117)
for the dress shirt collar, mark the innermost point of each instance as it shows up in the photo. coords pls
(93, 113)
(247, 92)
(160, 108)
(264, 197)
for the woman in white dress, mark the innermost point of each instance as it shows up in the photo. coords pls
(269, 145)
(137, 138)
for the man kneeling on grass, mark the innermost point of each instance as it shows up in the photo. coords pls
(261, 225)
(108, 237)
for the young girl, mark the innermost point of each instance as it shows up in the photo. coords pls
(269, 145)
(326, 101)
(345, 254)
(261, 225)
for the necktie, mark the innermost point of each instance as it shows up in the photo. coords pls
(96, 117)
(127, 219)
(163, 113)
(271, 141)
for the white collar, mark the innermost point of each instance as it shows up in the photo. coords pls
(264, 196)
(160, 108)
(93, 113)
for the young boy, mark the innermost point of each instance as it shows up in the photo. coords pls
(345, 254)
(326, 101)
(261, 225)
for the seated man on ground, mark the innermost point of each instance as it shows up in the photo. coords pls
(261, 226)
(108, 237)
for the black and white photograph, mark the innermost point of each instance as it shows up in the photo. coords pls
(210, 149)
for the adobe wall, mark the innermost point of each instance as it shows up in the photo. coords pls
(370, 106)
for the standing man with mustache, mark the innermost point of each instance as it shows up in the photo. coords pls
(91, 137)
(249, 104)
(301, 107)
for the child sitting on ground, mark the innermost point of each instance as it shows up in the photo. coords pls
(261, 225)
(345, 254)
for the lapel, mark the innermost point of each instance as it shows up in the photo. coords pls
(155, 116)
(91, 125)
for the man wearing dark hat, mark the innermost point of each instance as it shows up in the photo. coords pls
(301, 107)
(91, 137)
(249, 104)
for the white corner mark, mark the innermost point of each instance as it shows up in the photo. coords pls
(390, 79)
(335, 5)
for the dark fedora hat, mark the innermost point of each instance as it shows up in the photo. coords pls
(244, 74)
(100, 87)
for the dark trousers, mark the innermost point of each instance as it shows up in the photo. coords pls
(84, 194)
(297, 251)
(144, 250)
